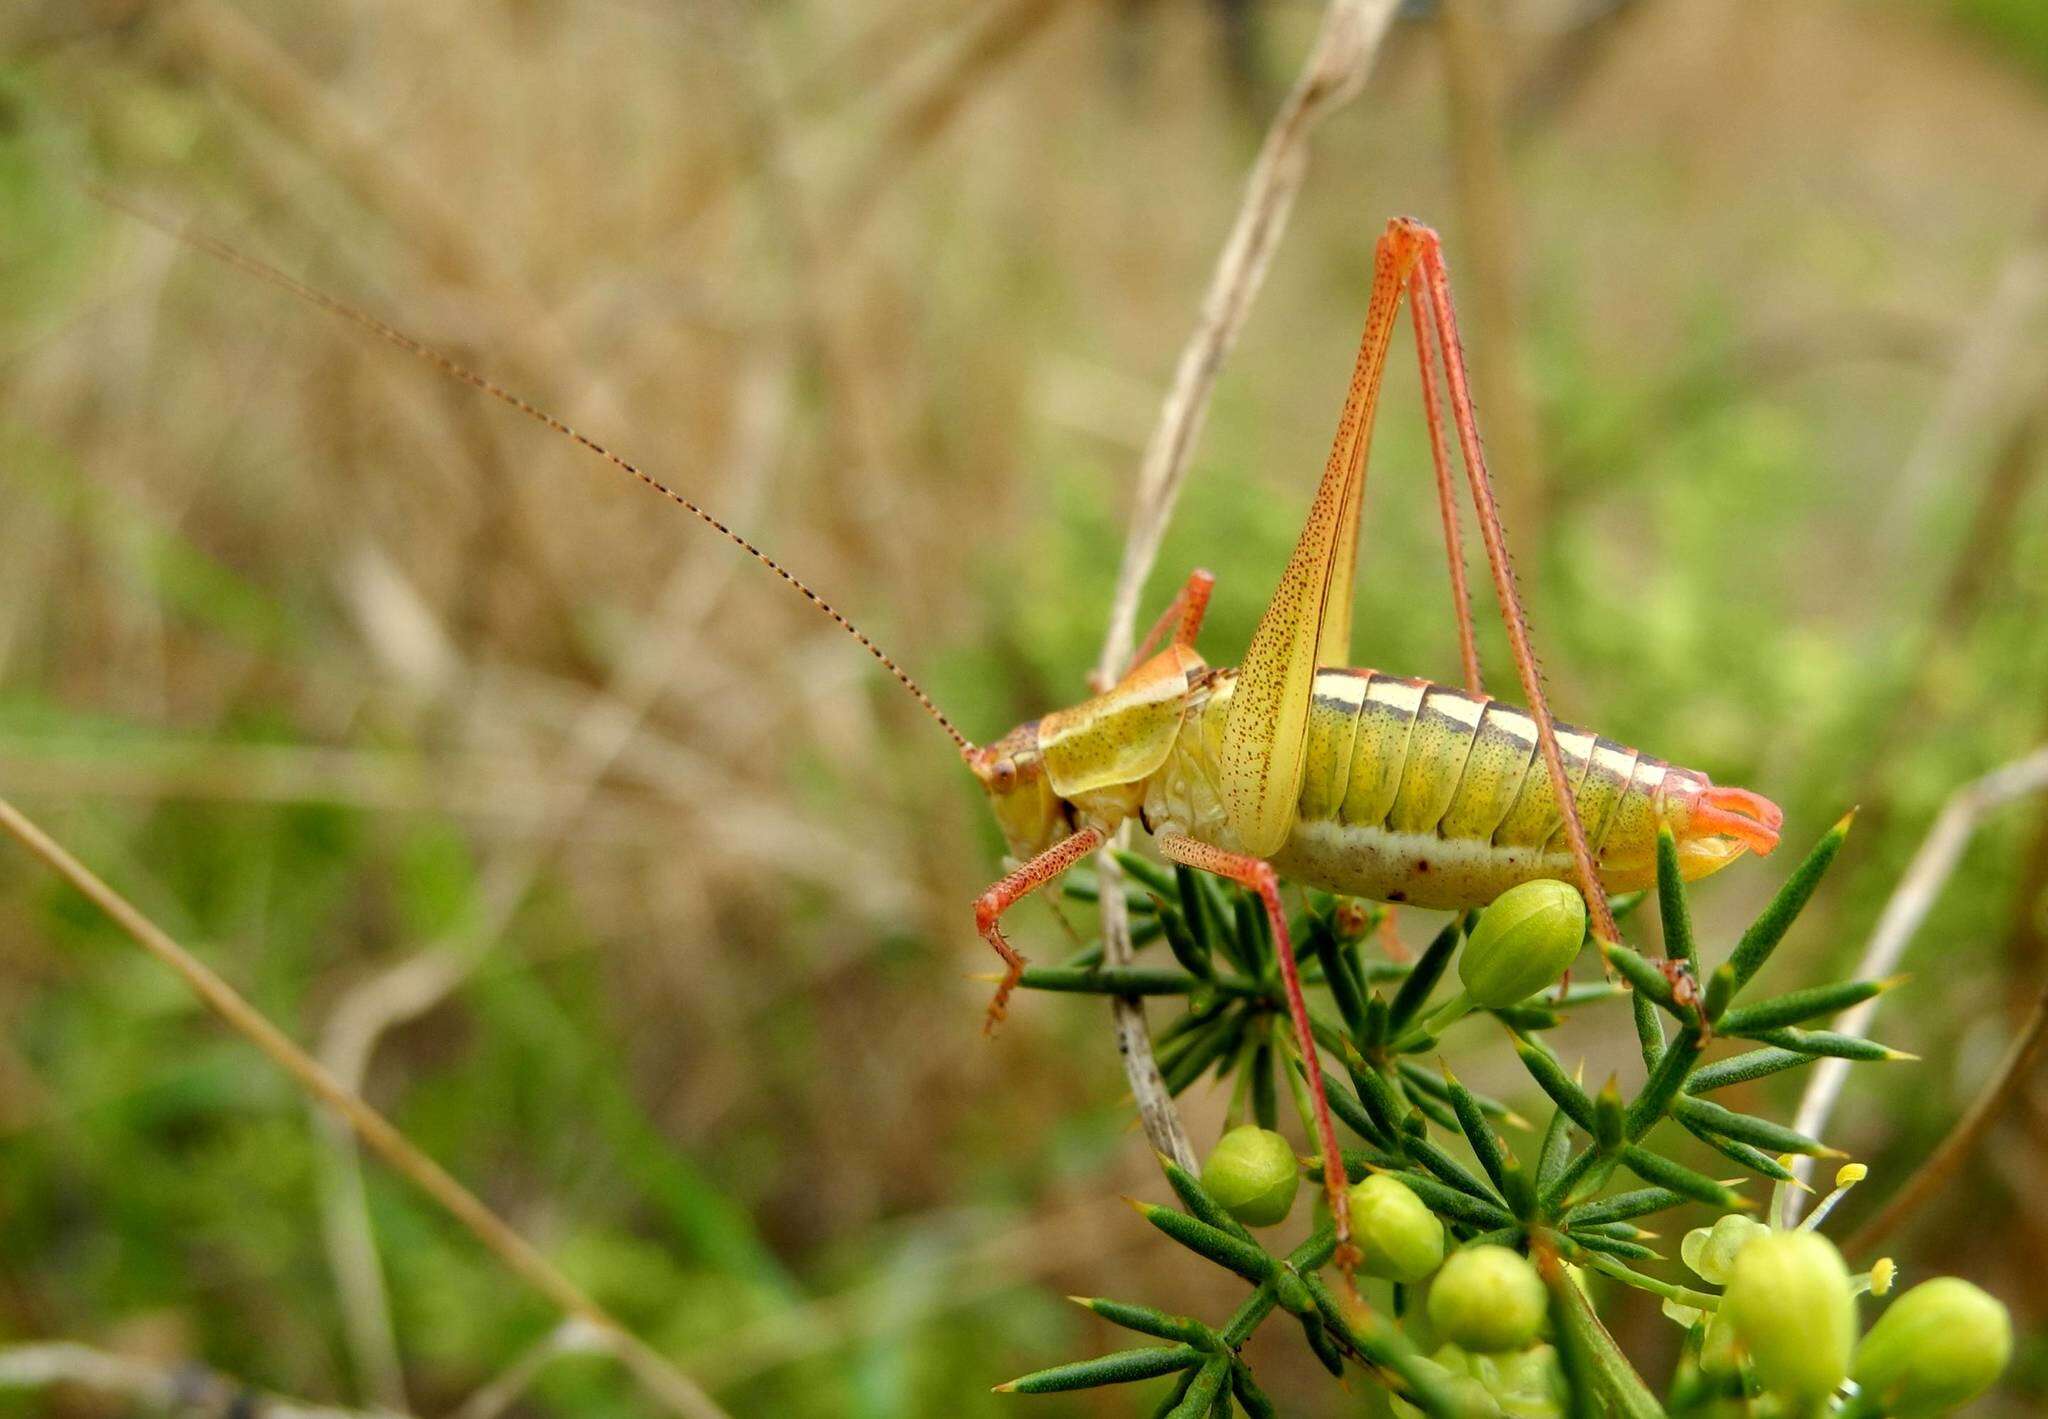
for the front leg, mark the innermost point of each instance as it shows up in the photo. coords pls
(1013, 888)
(1258, 874)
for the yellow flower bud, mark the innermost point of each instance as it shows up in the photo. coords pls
(1488, 1298)
(1402, 1240)
(1252, 1172)
(1938, 1346)
(1790, 1308)
(1523, 943)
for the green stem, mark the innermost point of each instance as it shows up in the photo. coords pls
(1623, 1389)
(1683, 1295)
(1439, 1020)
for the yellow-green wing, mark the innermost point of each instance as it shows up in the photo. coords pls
(1308, 621)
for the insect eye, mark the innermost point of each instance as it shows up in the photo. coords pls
(1004, 775)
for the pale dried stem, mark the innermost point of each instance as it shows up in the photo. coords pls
(168, 1389)
(1337, 64)
(1910, 902)
(2013, 1070)
(518, 1255)
(1343, 53)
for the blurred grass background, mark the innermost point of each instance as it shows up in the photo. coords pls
(633, 892)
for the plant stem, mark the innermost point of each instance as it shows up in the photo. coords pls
(2014, 1070)
(1683, 1295)
(1626, 1394)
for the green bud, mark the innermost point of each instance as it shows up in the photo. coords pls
(1526, 1384)
(1462, 1380)
(1252, 1172)
(1710, 1251)
(1523, 943)
(1488, 1298)
(1790, 1308)
(1720, 1352)
(1938, 1346)
(1401, 1238)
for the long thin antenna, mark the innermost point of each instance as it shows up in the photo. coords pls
(263, 270)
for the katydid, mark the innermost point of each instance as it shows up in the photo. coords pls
(1293, 765)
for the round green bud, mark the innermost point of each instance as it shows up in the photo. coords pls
(1790, 1308)
(1710, 1251)
(1252, 1172)
(1488, 1298)
(1401, 1239)
(1523, 943)
(1938, 1346)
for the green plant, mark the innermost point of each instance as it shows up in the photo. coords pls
(1423, 1136)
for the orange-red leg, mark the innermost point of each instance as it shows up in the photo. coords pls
(1431, 293)
(1013, 888)
(1183, 615)
(1257, 874)
(1446, 494)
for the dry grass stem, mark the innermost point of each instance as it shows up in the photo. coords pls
(170, 1389)
(1337, 65)
(1907, 908)
(1344, 50)
(2014, 1070)
(518, 1255)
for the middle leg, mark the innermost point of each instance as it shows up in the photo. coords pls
(1258, 874)
(1183, 615)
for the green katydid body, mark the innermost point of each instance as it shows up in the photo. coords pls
(1411, 792)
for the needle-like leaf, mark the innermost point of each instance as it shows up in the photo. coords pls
(1429, 969)
(1121, 1368)
(1775, 920)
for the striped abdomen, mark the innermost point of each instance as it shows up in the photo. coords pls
(1422, 793)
